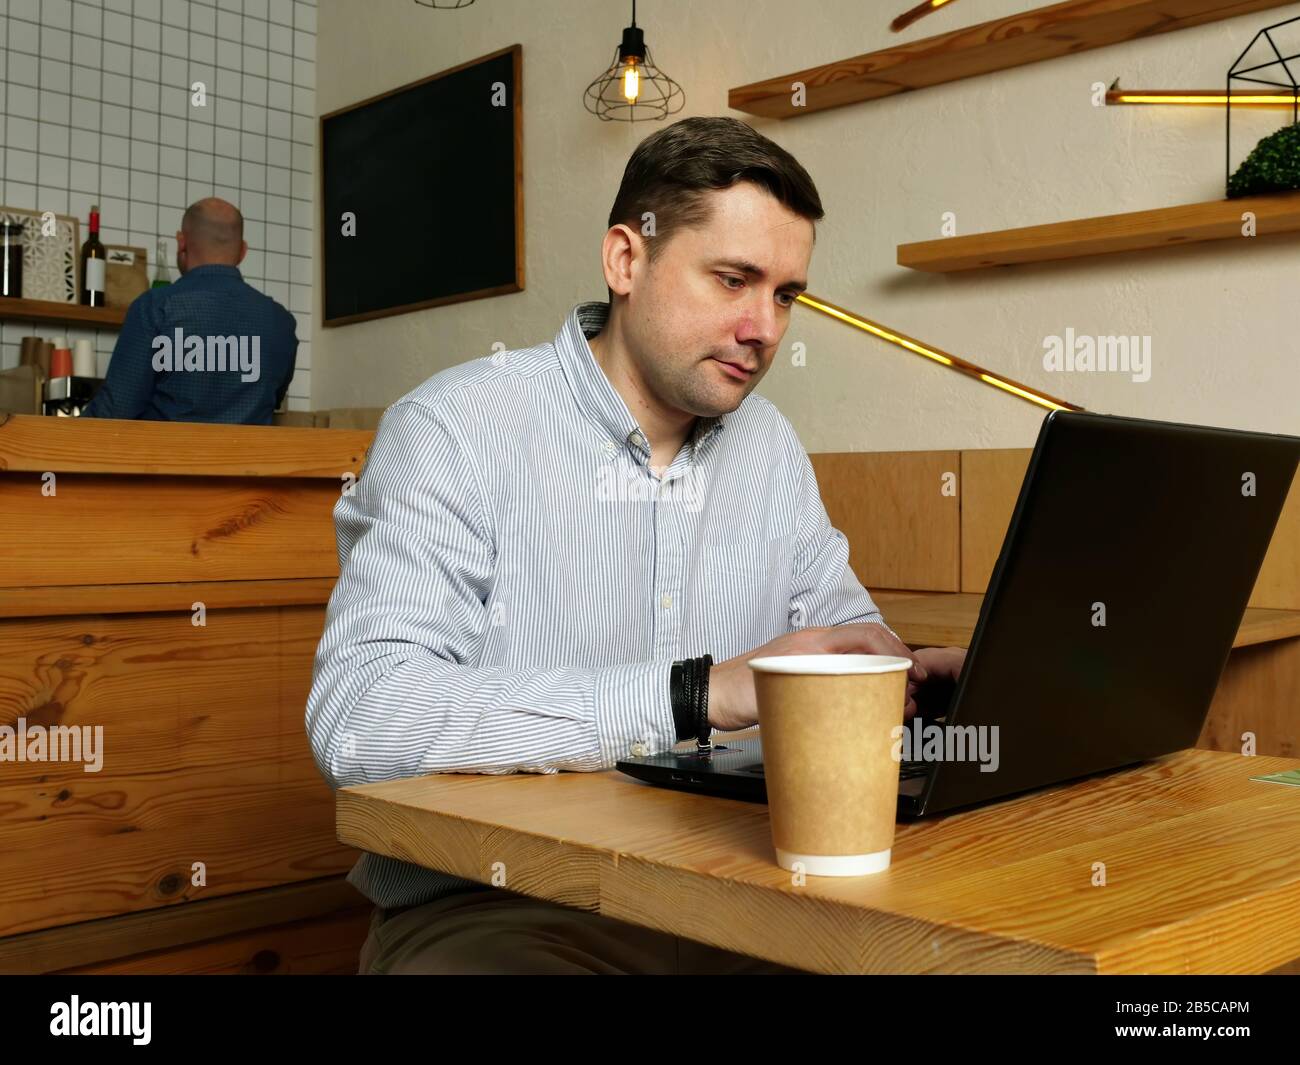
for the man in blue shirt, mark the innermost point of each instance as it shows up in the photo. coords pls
(209, 348)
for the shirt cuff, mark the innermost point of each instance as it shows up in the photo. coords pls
(634, 714)
(878, 620)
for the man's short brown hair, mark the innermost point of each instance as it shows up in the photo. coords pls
(671, 172)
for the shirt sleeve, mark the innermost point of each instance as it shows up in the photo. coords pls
(395, 692)
(129, 384)
(826, 591)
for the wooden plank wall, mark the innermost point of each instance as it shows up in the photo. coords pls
(905, 534)
(903, 530)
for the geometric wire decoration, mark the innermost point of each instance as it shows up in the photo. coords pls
(448, 5)
(49, 261)
(1272, 58)
(632, 88)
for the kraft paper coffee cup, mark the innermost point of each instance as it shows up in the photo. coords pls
(828, 725)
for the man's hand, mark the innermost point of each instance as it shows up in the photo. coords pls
(943, 664)
(733, 703)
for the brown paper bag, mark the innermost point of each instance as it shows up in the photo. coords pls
(126, 274)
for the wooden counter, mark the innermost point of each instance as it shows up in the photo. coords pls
(208, 821)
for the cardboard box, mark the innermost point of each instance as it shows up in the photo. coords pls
(20, 390)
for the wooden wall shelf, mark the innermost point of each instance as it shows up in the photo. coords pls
(1044, 33)
(16, 310)
(1135, 231)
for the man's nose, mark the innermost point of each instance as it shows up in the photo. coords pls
(760, 327)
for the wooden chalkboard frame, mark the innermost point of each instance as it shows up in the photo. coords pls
(517, 285)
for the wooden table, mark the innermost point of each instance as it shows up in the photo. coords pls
(1258, 693)
(1200, 869)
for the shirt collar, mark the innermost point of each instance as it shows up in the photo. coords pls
(212, 269)
(593, 390)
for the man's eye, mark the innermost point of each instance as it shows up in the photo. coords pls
(731, 277)
(788, 296)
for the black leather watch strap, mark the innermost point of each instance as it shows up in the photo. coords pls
(703, 730)
(689, 695)
(683, 712)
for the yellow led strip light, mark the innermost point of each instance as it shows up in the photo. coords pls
(1005, 384)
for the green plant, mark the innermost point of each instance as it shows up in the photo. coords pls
(1273, 165)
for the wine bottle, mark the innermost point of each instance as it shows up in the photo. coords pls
(161, 279)
(93, 260)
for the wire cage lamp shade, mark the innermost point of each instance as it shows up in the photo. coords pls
(449, 5)
(1270, 64)
(633, 88)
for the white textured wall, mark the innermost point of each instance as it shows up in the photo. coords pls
(1013, 148)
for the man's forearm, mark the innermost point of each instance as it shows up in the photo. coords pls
(401, 716)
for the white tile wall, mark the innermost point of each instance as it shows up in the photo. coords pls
(95, 107)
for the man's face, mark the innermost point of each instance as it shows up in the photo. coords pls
(718, 294)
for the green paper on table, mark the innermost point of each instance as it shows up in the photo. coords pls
(1291, 776)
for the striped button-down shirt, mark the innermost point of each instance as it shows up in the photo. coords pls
(515, 582)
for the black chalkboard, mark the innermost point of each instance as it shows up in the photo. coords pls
(432, 172)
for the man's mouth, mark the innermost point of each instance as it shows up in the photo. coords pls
(734, 369)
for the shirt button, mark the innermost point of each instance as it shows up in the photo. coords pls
(666, 601)
(639, 750)
(610, 447)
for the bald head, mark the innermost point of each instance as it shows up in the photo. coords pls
(212, 231)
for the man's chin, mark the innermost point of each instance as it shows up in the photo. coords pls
(716, 408)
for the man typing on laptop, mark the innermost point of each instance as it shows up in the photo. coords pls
(541, 535)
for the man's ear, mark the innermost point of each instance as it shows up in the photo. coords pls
(621, 245)
(243, 250)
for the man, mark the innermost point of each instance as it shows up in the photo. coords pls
(209, 348)
(539, 535)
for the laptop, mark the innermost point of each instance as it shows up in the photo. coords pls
(1124, 575)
